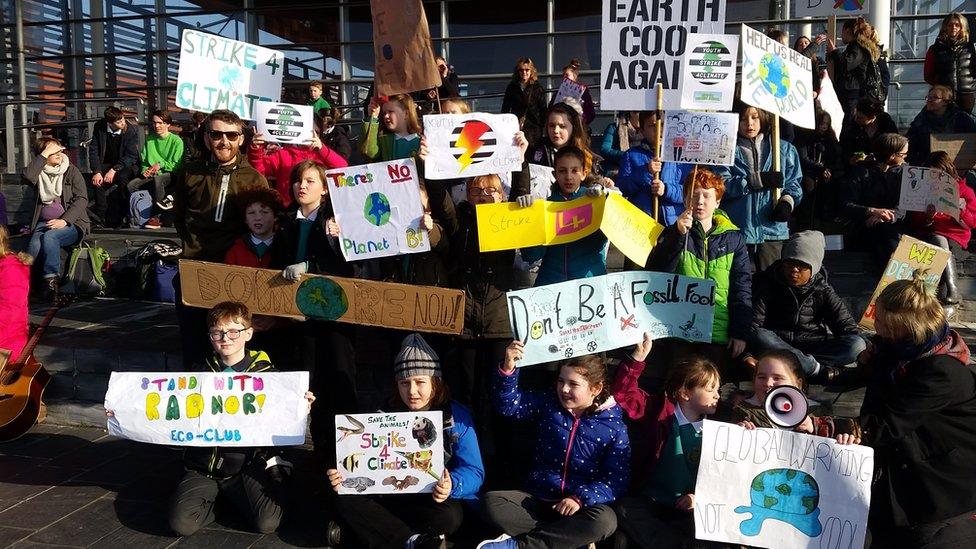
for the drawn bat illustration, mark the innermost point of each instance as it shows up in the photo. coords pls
(422, 460)
(401, 484)
(357, 428)
(359, 484)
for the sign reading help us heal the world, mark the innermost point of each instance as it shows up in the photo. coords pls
(399, 453)
(924, 187)
(708, 71)
(840, 8)
(220, 73)
(586, 316)
(776, 78)
(285, 123)
(378, 209)
(466, 145)
(700, 138)
(781, 489)
(642, 44)
(209, 408)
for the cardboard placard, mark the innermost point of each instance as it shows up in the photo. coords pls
(781, 489)
(285, 123)
(960, 146)
(924, 187)
(776, 78)
(349, 300)
(910, 255)
(467, 145)
(700, 138)
(404, 61)
(208, 408)
(708, 71)
(399, 453)
(220, 73)
(600, 313)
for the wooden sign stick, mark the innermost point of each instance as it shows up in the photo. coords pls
(660, 136)
(776, 160)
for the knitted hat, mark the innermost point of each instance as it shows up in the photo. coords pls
(416, 358)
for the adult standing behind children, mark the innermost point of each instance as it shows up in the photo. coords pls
(526, 99)
(161, 156)
(113, 157)
(859, 70)
(951, 61)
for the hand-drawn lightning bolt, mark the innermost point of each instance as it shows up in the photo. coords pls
(470, 140)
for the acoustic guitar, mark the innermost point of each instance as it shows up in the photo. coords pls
(22, 384)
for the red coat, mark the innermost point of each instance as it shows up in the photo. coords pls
(242, 254)
(946, 225)
(279, 164)
(14, 286)
(649, 417)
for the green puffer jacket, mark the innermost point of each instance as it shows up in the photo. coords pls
(721, 256)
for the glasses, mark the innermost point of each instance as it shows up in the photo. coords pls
(482, 191)
(933, 99)
(232, 334)
(216, 135)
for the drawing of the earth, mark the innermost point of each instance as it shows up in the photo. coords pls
(850, 5)
(774, 75)
(230, 77)
(786, 495)
(377, 209)
(321, 298)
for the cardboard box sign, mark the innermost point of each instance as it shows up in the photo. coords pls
(910, 255)
(350, 300)
(960, 146)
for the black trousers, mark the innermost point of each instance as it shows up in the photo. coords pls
(952, 533)
(328, 353)
(534, 524)
(388, 521)
(251, 492)
(110, 202)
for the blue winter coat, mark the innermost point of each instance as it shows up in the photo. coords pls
(634, 181)
(462, 455)
(750, 209)
(585, 457)
(583, 258)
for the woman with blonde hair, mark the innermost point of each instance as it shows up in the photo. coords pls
(526, 99)
(399, 136)
(951, 61)
(860, 69)
(14, 287)
(919, 416)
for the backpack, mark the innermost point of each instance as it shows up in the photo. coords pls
(140, 208)
(85, 267)
(159, 258)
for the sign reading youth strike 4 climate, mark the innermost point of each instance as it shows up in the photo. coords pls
(220, 73)
(708, 71)
(642, 44)
(285, 123)
(467, 145)
(776, 78)
(209, 408)
(590, 315)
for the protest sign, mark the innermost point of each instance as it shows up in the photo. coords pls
(700, 138)
(400, 453)
(642, 44)
(349, 300)
(961, 148)
(285, 123)
(570, 89)
(404, 61)
(781, 489)
(924, 187)
(507, 226)
(208, 408)
(220, 73)
(466, 145)
(378, 209)
(910, 255)
(600, 313)
(708, 72)
(776, 78)
(830, 103)
(839, 8)
(541, 179)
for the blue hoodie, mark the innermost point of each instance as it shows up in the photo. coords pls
(634, 181)
(462, 456)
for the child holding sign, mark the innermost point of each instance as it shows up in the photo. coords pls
(400, 137)
(638, 178)
(581, 460)
(419, 520)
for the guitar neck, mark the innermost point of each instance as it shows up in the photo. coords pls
(36, 336)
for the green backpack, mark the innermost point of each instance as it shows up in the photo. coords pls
(86, 268)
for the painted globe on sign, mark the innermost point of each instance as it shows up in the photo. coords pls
(376, 210)
(774, 75)
(321, 298)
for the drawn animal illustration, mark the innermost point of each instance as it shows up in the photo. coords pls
(359, 484)
(357, 428)
(351, 462)
(422, 460)
(424, 432)
(401, 484)
(785, 495)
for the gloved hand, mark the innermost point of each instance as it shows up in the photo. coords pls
(295, 272)
(525, 200)
(783, 210)
(771, 180)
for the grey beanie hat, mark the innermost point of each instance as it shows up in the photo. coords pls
(806, 246)
(416, 358)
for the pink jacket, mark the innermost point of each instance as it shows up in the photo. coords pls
(14, 286)
(279, 164)
(946, 225)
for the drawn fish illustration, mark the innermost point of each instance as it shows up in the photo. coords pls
(351, 462)
(357, 428)
(359, 484)
(401, 484)
(422, 460)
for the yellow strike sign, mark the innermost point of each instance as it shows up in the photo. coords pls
(506, 226)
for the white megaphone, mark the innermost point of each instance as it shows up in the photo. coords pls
(786, 406)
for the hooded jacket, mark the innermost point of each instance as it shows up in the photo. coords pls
(953, 120)
(857, 70)
(280, 163)
(951, 63)
(586, 457)
(634, 181)
(720, 255)
(14, 286)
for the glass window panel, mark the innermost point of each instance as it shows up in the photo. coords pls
(491, 56)
(361, 21)
(473, 18)
(571, 15)
(585, 47)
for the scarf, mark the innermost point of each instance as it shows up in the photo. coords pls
(51, 181)
(899, 353)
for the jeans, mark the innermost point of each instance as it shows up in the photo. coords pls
(535, 525)
(835, 351)
(45, 245)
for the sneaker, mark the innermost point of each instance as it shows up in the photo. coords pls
(166, 203)
(425, 541)
(503, 541)
(51, 288)
(153, 223)
(333, 534)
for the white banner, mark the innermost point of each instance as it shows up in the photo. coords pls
(831, 104)
(285, 123)
(822, 8)
(208, 409)
(700, 138)
(220, 73)
(781, 489)
(378, 209)
(924, 187)
(399, 453)
(570, 89)
(466, 145)
(708, 72)
(642, 44)
(776, 78)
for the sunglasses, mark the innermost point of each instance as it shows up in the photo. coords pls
(215, 135)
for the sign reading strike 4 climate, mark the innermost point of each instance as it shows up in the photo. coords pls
(776, 78)
(378, 209)
(708, 71)
(220, 73)
(466, 145)
(586, 316)
(209, 408)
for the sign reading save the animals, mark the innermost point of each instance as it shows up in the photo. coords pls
(596, 314)
(350, 300)
(924, 187)
(208, 409)
(466, 145)
(378, 209)
(285, 123)
(220, 73)
(910, 255)
(781, 489)
(399, 453)
(776, 78)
